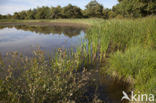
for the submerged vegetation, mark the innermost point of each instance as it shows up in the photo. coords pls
(123, 49)
(40, 80)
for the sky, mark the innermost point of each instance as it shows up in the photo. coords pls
(11, 6)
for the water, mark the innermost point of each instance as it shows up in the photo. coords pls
(25, 39)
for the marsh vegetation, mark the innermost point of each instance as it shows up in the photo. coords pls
(123, 50)
(113, 55)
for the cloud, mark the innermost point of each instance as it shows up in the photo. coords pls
(10, 9)
(11, 6)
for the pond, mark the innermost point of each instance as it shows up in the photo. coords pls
(24, 39)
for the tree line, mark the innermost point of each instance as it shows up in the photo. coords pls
(124, 8)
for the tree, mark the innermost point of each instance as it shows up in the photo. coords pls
(56, 13)
(16, 15)
(106, 13)
(43, 13)
(4, 16)
(135, 8)
(22, 15)
(1, 16)
(31, 14)
(94, 9)
(72, 12)
(125, 8)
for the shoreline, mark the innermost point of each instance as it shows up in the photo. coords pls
(54, 22)
(45, 24)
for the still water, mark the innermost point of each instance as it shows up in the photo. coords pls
(25, 39)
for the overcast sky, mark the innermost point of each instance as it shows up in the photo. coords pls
(11, 6)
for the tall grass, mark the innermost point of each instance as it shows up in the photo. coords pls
(121, 34)
(129, 48)
(74, 21)
(136, 65)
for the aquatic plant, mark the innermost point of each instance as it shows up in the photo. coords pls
(38, 80)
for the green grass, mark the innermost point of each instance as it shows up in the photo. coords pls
(137, 66)
(129, 49)
(76, 21)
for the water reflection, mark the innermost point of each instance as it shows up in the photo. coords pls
(25, 39)
(66, 30)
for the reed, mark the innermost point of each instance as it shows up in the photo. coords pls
(128, 47)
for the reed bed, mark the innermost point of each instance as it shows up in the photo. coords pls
(129, 49)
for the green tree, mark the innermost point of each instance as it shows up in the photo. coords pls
(1, 16)
(31, 14)
(16, 15)
(94, 9)
(22, 15)
(136, 8)
(9, 16)
(56, 12)
(4, 16)
(43, 13)
(71, 11)
(106, 13)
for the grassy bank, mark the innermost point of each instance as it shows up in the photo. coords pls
(67, 21)
(129, 47)
(122, 48)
